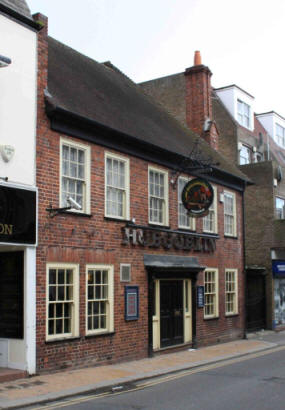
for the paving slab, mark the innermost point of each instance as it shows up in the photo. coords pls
(54, 386)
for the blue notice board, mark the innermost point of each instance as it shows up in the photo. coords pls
(131, 302)
(278, 268)
(200, 296)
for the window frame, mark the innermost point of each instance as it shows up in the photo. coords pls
(243, 117)
(246, 160)
(282, 211)
(126, 190)
(280, 138)
(87, 165)
(235, 292)
(192, 221)
(234, 215)
(74, 304)
(165, 221)
(215, 206)
(216, 294)
(110, 302)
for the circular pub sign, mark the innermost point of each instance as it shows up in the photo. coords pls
(197, 197)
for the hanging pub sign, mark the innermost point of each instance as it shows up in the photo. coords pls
(197, 197)
(17, 215)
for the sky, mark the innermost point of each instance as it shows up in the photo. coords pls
(240, 41)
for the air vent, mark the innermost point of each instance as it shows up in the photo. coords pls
(125, 272)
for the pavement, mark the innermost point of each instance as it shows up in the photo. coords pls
(58, 385)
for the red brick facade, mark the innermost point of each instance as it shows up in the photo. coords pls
(95, 239)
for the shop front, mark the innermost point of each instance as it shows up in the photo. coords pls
(17, 277)
(278, 270)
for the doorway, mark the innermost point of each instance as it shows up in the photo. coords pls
(12, 295)
(171, 313)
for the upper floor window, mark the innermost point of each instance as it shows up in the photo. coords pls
(280, 208)
(210, 222)
(244, 155)
(184, 221)
(243, 113)
(75, 174)
(230, 214)
(158, 196)
(116, 186)
(280, 135)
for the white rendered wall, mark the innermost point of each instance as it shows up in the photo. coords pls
(230, 96)
(18, 102)
(18, 84)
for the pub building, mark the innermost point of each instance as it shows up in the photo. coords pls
(18, 194)
(124, 270)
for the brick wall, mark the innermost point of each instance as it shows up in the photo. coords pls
(95, 239)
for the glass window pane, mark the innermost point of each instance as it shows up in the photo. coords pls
(52, 293)
(52, 276)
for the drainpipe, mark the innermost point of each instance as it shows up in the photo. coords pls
(244, 270)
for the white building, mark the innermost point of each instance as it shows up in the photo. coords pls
(18, 205)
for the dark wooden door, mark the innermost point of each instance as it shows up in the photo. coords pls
(255, 302)
(171, 312)
(11, 294)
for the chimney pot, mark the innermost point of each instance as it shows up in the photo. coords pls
(197, 58)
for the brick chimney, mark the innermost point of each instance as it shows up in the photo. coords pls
(199, 116)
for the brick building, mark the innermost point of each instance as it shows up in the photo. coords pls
(119, 262)
(255, 142)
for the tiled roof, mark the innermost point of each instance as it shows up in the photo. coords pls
(20, 6)
(101, 93)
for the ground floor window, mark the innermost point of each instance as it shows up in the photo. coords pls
(231, 301)
(211, 293)
(62, 300)
(99, 299)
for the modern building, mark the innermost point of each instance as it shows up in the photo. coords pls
(256, 144)
(18, 194)
(122, 271)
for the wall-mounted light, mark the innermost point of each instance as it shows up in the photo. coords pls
(72, 205)
(4, 61)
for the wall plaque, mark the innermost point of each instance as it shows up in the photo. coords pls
(131, 302)
(200, 296)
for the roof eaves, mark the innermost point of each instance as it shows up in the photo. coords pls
(20, 17)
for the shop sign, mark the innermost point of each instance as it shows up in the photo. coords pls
(17, 215)
(168, 240)
(197, 197)
(200, 296)
(278, 267)
(131, 302)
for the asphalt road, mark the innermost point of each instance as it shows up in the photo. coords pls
(253, 382)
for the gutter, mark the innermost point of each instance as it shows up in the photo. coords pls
(20, 17)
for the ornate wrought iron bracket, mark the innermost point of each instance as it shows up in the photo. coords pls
(193, 163)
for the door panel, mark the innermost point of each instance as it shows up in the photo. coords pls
(171, 313)
(255, 302)
(11, 294)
